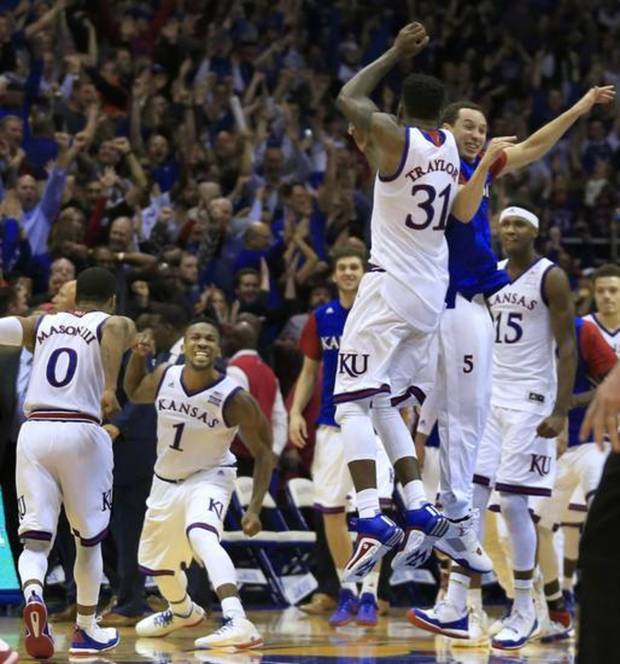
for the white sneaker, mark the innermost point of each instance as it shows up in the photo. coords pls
(93, 640)
(517, 630)
(165, 622)
(461, 544)
(557, 627)
(444, 618)
(478, 630)
(235, 634)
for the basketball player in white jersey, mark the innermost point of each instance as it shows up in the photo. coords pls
(386, 346)
(199, 413)
(64, 457)
(531, 396)
(606, 282)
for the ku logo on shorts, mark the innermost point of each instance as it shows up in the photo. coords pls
(217, 507)
(541, 464)
(106, 500)
(353, 364)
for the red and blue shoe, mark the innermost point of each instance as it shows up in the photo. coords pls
(425, 526)
(347, 609)
(443, 619)
(368, 612)
(39, 640)
(93, 640)
(375, 537)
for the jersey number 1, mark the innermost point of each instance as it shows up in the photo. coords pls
(426, 205)
(176, 443)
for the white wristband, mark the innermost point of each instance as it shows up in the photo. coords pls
(11, 331)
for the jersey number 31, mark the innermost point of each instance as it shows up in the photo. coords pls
(425, 198)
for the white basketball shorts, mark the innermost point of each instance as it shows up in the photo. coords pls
(174, 509)
(380, 353)
(430, 473)
(331, 476)
(64, 463)
(512, 457)
(579, 472)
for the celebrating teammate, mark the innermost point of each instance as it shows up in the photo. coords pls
(64, 457)
(606, 282)
(320, 341)
(199, 412)
(530, 401)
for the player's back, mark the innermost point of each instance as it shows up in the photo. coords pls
(612, 337)
(67, 372)
(410, 213)
(524, 374)
(192, 432)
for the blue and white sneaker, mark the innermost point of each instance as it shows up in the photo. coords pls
(516, 631)
(39, 639)
(347, 608)
(368, 611)
(93, 640)
(424, 527)
(375, 537)
(443, 619)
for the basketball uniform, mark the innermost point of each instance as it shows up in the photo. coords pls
(194, 473)
(465, 348)
(63, 454)
(386, 340)
(580, 468)
(611, 337)
(512, 457)
(320, 341)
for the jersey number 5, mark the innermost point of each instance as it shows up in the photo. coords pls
(425, 202)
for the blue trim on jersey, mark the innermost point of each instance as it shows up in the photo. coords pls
(583, 383)
(229, 396)
(403, 159)
(472, 264)
(542, 284)
(430, 139)
(193, 393)
(609, 332)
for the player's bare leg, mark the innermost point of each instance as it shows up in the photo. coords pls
(32, 564)
(88, 637)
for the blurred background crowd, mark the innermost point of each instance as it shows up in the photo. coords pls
(193, 148)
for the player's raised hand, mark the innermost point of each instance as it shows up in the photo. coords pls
(250, 523)
(494, 149)
(596, 95)
(298, 430)
(552, 426)
(144, 344)
(411, 40)
(109, 404)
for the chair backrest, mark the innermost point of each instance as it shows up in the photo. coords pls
(243, 489)
(302, 492)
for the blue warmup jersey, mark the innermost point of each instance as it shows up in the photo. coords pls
(320, 340)
(472, 262)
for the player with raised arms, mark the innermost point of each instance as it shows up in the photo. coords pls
(64, 456)
(199, 413)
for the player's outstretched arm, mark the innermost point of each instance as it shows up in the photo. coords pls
(559, 299)
(139, 385)
(118, 335)
(541, 141)
(18, 331)
(470, 194)
(242, 410)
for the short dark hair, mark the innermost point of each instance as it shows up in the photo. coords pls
(173, 314)
(450, 113)
(607, 270)
(208, 320)
(242, 272)
(422, 96)
(347, 251)
(95, 284)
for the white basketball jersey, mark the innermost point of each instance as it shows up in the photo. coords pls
(192, 433)
(524, 365)
(612, 338)
(67, 374)
(409, 216)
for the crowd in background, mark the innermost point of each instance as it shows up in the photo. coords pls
(193, 146)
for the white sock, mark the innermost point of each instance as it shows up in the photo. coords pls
(367, 502)
(32, 567)
(524, 602)
(415, 496)
(458, 587)
(346, 585)
(474, 598)
(182, 608)
(85, 622)
(232, 608)
(567, 583)
(370, 583)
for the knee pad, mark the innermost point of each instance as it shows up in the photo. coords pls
(513, 505)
